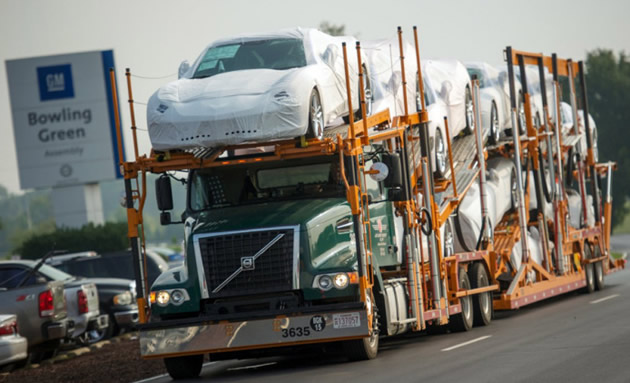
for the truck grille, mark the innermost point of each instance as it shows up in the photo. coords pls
(222, 255)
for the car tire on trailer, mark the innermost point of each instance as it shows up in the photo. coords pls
(521, 119)
(464, 320)
(184, 367)
(589, 271)
(315, 117)
(495, 131)
(440, 154)
(482, 303)
(470, 111)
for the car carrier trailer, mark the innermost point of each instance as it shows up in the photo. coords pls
(344, 240)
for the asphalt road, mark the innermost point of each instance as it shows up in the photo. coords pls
(572, 338)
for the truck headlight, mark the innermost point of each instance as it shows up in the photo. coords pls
(341, 280)
(163, 297)
(325, 282)
(177, 297)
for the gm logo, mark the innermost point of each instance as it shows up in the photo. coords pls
(55, 82)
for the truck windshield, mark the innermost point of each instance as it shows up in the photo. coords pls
(262, 54)
(238, 185)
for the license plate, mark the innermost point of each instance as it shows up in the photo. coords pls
(348, 320)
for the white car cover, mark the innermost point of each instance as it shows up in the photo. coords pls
(252, 104)
(499, 185)
(449, 79)
(383, 58)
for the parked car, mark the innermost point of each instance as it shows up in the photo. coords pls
(117, 264)
(13, 346)
(114, 276)
(495, 101)
(81, 295)
(40, 308)
(254, 87)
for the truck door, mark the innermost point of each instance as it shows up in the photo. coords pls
(382, 224)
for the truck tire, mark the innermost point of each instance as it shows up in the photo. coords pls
(184, 367)
(482, 303)
(589, 271)
(361, 349)
(464, 320)
(599, 270)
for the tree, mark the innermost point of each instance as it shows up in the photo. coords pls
(608, 89)
(332, 29)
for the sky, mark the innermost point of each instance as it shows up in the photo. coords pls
(153, 37)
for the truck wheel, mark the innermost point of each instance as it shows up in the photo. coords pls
(589, 269)
(361, 349)
(365, 348)
(464, 320)
(599, 270)
(482, 303)
(184, 367)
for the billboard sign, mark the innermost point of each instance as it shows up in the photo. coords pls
(63, 119)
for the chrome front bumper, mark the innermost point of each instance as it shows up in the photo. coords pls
(126, 318)
(260, 333)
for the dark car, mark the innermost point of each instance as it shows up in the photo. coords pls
(109, 265)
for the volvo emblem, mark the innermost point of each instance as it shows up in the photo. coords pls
(247, 263)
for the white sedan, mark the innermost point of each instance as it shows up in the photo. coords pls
(255, 88)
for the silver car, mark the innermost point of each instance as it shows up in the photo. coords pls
(13, 346)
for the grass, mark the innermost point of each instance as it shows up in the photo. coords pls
(616, 255)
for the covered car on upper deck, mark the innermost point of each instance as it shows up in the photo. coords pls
(252, 88)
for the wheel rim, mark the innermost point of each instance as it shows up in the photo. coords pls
(317, 117)
(367, 92)
(494, 124)
(514, 187)
(469, 110)
(449, 247)
(440, 152)
(521, 117)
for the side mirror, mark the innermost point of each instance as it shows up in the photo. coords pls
(379, 171)
(164, 193)
(184, 67)
(394, 177)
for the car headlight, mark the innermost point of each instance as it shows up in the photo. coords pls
(325, 282)
(163, 297)
(123, 299)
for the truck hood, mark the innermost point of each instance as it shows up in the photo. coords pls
(301, 212)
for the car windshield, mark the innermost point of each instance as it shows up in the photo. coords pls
(261, 54)
(253, 183)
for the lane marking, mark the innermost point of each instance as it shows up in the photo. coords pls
(251, 367)
(604, 299)
(466, 343)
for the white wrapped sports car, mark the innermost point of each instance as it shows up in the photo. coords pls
(254, 88)
(495, 100)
